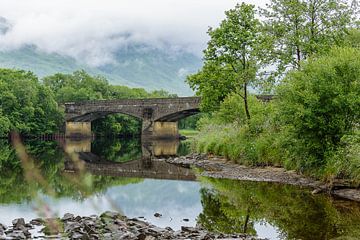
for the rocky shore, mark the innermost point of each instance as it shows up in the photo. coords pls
(109, 225)
(217, 167)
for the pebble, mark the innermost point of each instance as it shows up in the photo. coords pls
(216, 167)
(109, 225)
(157, 215)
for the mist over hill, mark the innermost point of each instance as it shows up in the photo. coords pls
(134, 66)
(120, 58)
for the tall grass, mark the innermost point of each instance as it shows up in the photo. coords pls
(228, 133)
(266, 141)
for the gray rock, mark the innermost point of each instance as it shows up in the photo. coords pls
(89, 229)
(71, 226)
(149, 238)
(157, 215)
(189, 229)
(3, 227)
(109, 214)
(78, 235)
(112, 226)
(37, 222)
(18, 223)
(67, 217)
(16, 235)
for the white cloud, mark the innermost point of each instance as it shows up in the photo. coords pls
(93, 30)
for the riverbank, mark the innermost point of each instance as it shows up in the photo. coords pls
(109, 225)
(217, 167)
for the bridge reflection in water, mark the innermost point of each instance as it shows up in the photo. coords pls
(151, 164)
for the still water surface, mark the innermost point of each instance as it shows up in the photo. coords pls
(90, 177)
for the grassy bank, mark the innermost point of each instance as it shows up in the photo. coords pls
(189, 133)
(312, 126)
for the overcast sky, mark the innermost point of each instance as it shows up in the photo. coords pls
(93, 29)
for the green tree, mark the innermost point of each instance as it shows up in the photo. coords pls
(300, 28)
(78, 86)
(232, 56)
(26, 105)
(319, 105)
(4, 124)
(353, 38)
(213, 83)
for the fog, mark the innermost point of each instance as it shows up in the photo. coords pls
(93, 30)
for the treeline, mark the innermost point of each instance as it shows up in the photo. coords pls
(306, 53)
(32, 106)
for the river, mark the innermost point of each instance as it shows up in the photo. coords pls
(93, 176)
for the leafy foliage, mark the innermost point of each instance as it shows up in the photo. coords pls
(301, 28)
(232, 58)
(26, 105)
(320, 105)
(313, 123)
(311, 126)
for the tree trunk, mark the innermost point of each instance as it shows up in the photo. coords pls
(245, 227)
(246, 102)
(298, 54)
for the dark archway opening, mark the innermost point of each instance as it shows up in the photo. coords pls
(116, 125)
(189, 122)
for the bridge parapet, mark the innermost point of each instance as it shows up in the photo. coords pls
(150, 111)
(152, 108)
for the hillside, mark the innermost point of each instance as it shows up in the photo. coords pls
(134, 66)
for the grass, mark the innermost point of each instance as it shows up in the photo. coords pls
(190, 133)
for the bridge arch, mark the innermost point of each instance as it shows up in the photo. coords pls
(178, 115)
(159, 115)
(92, 116)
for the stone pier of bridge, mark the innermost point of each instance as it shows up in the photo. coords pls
(159, 116)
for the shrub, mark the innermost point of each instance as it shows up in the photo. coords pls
(319, 105)
(228, 133)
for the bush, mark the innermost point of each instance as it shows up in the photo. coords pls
(345, 162)
(312, 126)
(228, 133)
(319, 105)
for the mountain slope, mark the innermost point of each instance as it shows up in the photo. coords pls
(134, 66)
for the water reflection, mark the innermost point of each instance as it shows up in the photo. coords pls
(267, 210)
(114, 161)
(294, 213)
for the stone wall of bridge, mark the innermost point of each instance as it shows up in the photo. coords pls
(155, 109)
(159, 116)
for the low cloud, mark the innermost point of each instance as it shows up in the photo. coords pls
(92, 30)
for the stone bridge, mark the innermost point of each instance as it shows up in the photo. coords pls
(159, 116)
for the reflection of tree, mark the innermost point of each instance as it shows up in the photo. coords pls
(117, 149)
(220, 216)
(294, 211)
(49, 158)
